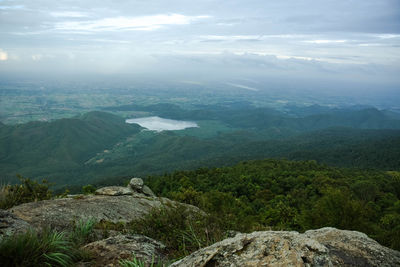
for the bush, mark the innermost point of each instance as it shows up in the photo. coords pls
(88, 189)
(182, 229)
(27, 191)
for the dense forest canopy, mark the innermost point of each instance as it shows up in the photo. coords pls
(291, 195)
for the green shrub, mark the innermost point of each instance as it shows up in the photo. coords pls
(88, 189)
(37, 249)
(83, 232)
(27, 191)
(183, 230)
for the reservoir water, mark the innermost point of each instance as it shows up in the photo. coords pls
(160, 124)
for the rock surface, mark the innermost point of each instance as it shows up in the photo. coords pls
(135, 187)
(136, 184)
(63, 212)
(11, 224)
(323, 247)
(114, 191)
(147, 191)
(108, 252)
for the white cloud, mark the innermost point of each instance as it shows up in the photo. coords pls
(37, 57)
(248, 37)
(325, 41)
(143, 23)
(298, 57)
(230, 37)
(3, 55)
(388, 36)
(12, 7)
(69, 14)
(242, 86)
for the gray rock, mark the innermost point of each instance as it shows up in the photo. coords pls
(136, 184)
(63, 212)
(147, 191)
(114, 191)
(323, 247)
(11, 224)
(108, 252)
(352, 248)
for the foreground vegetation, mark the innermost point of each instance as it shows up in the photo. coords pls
(252, 195)
(26, 191)
(47, 247)
(288, 195)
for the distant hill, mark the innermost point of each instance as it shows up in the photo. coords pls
(100, 146)
(297, 120)
(36, 148)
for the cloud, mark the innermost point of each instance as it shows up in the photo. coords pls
(242, 86)
(69, 14)
(12, 7)
(142, 23)
(261, 37)
(3, 55)
(37, 57)
(326, 41)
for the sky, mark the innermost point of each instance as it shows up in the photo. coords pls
(348, 40)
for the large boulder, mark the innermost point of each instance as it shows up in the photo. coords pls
(108, 252)
(63, 212)
(11, 224)
(113, 191)
(323, 247)
(137, 186)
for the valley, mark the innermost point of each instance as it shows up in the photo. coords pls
(101, 148)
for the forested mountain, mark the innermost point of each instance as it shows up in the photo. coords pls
(100, 146)
(59, 145)
(247, 116)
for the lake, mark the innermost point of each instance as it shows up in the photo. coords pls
(160, 124)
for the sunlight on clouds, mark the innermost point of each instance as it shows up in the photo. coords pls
(3, 55)
(143, 23)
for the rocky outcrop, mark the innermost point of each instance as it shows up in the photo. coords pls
(11, 224)
(108, 252)
(135, 187)
(63, 212)
(113, 191)
(323, 247)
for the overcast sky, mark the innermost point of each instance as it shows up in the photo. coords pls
(357, 39)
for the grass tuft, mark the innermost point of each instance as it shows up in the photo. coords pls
(135, 262)
(37, 249)
(83, 232)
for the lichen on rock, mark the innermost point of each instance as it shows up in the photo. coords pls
(109, 251)
(322, 247)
